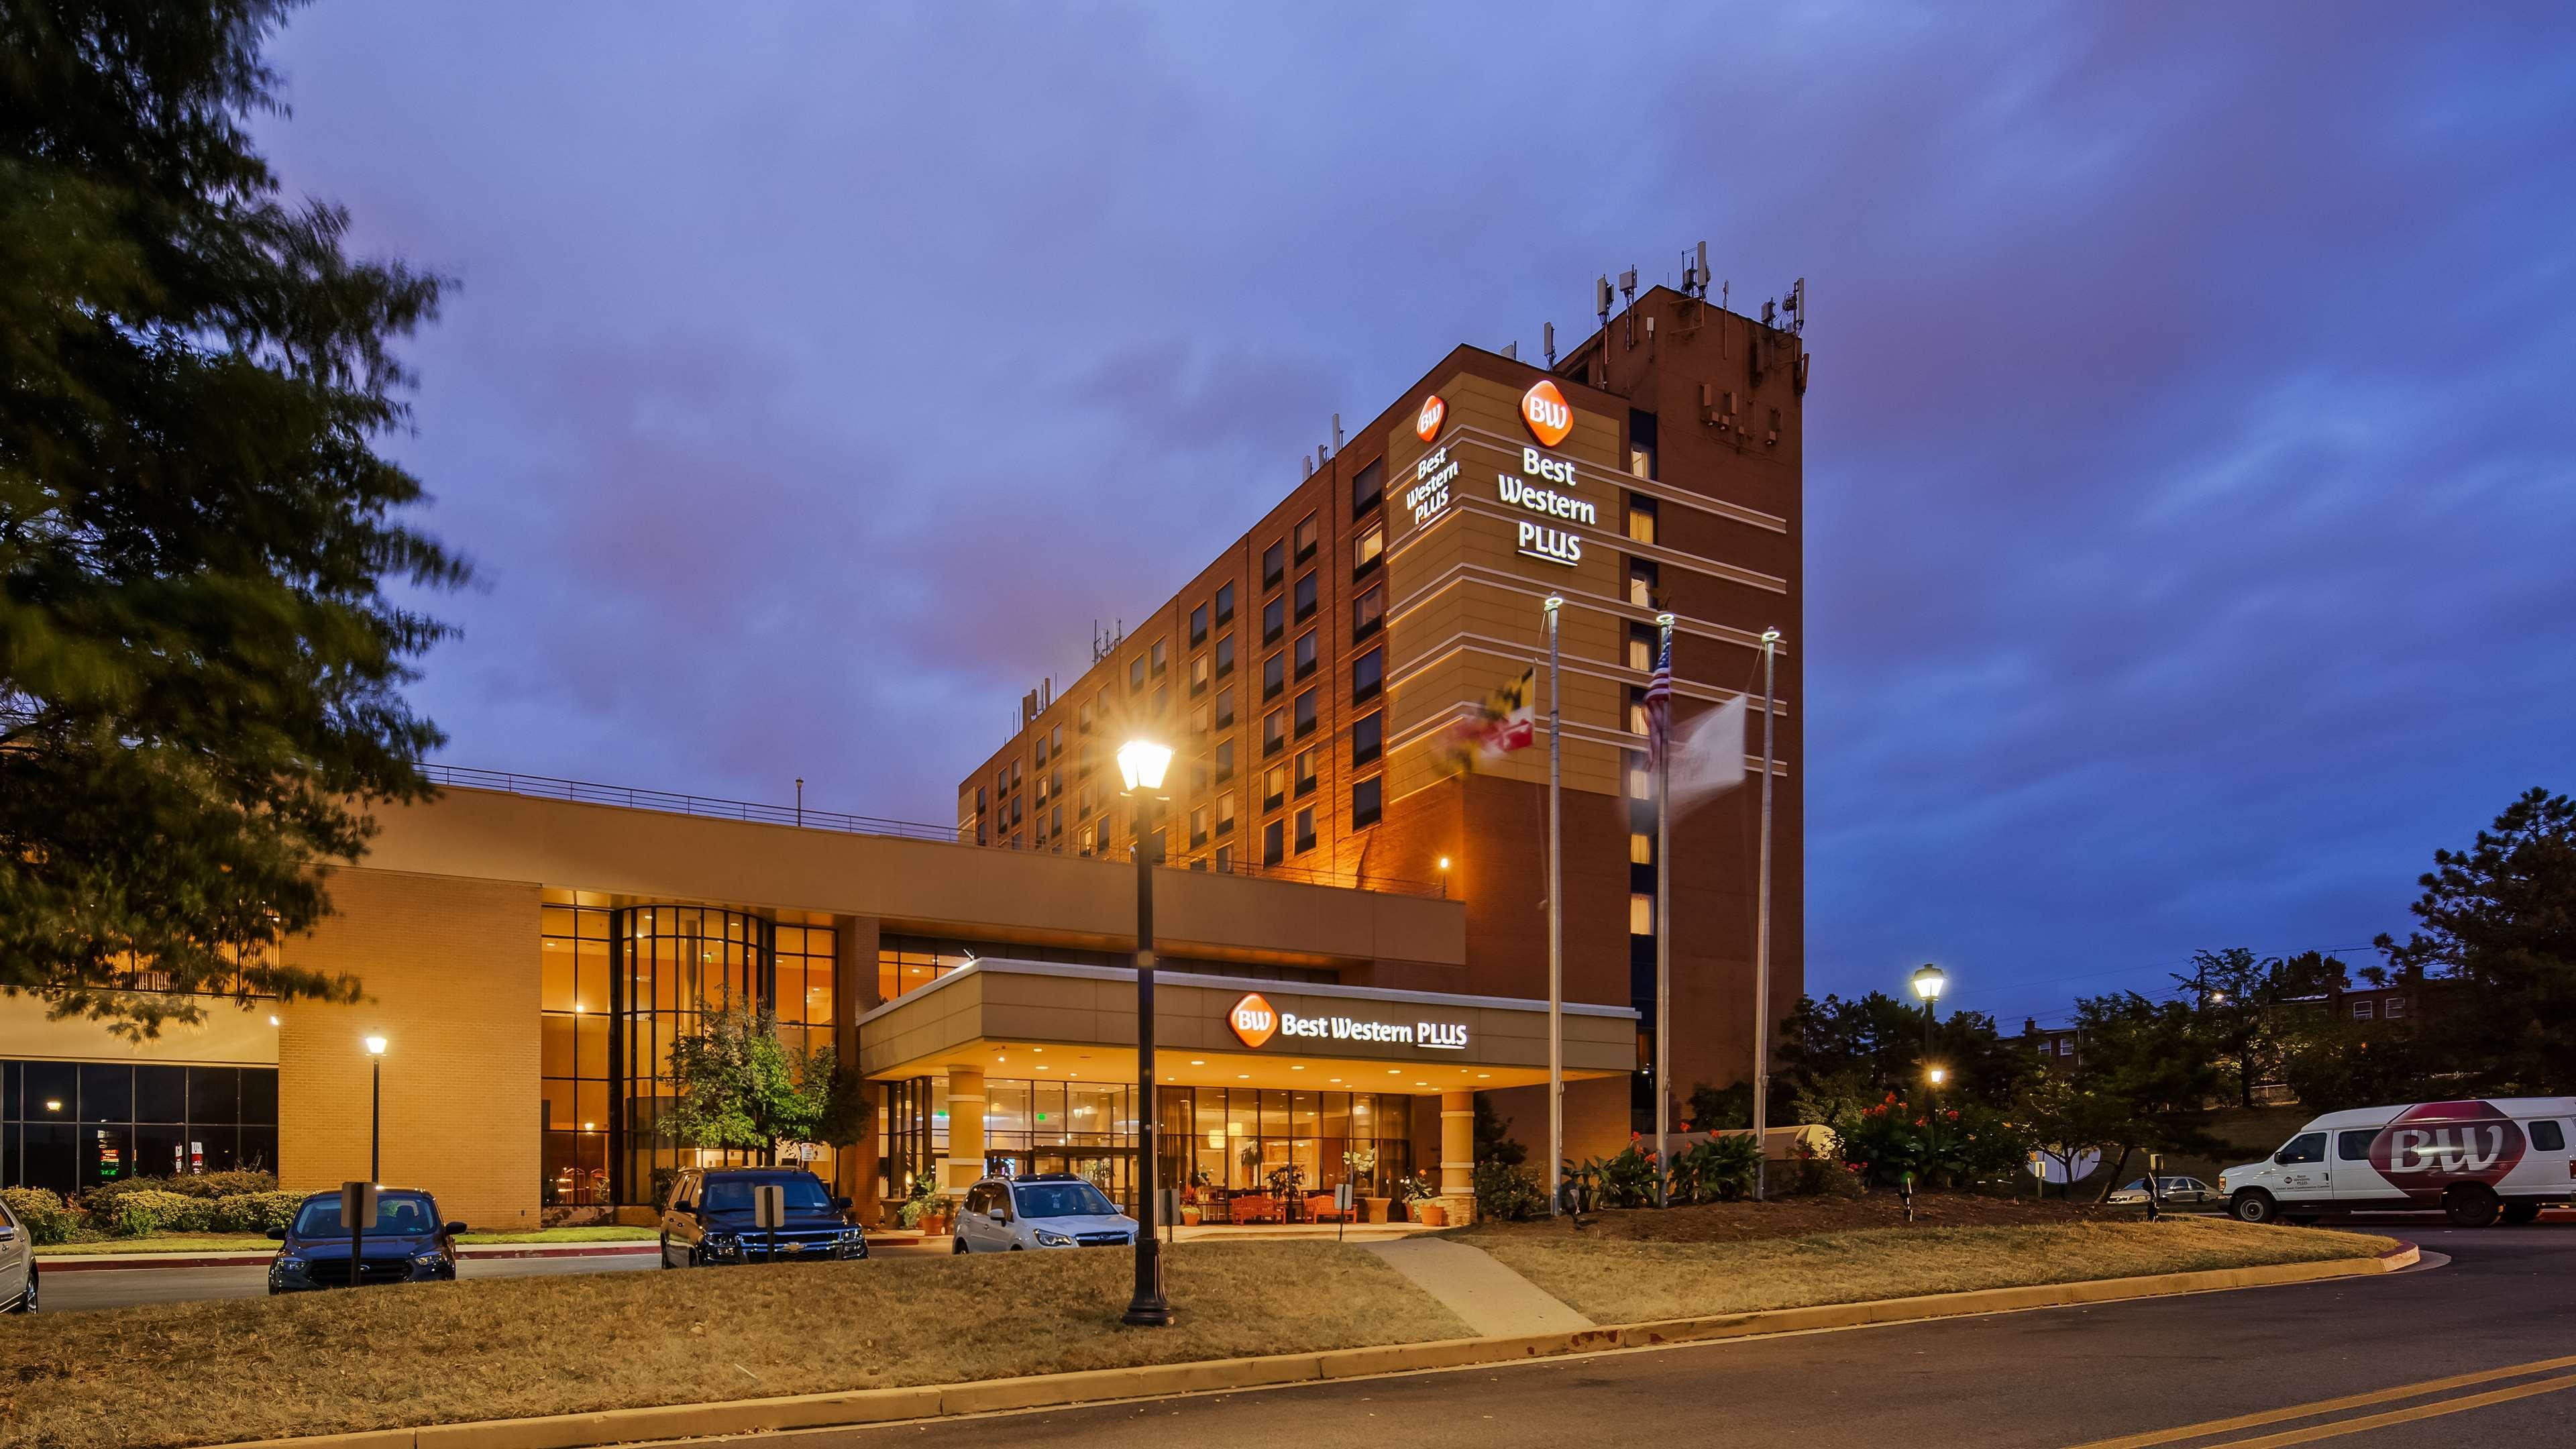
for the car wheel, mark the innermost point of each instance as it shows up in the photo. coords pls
(956, 1246)
(1015, 1247)
(2470, 1205)
(2253, 1205)
(666, 1251)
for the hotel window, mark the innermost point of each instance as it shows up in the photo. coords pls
(1274, 565)
(1641, 913)
(1274, 787)
(1641, 646)
(1199, 718)
(1090, 839)
(1305, 830)
(1367, 798)
(1225, 813)
(1305, 654)
(1224, 603)
(1368, 674)
(1042, 789)
(1162, 700)
(1002, 781)
(1305, 537)
(1305, 598)
(1274, 732)
(1225, 656)
(1055, 781)
(1198, 624)
(1042, 749)
(1082, 718)
(1199, 777)
(2361, 1011)
(1305, 714)
(1136, 674)
(1367, 487)
(1641, 848)
(1055, 823)
(1368, 611)
(1641, 444)
(1016, 802)
(1081, 803)
(1636, 710)
(1368, 548)
(1641, 518)
(1225, 707)
(1082, 767)
(1270, 843)
(1644, 582)
(1274, 620)
(1225, 760)
(1160, 655)
(1225, 854)
(1198, 673)
(1368, 738)
(1641, 784)
(82, 1125)
(1305, 772)
(1274, 675)
(1018, 769)
(908, 964)
(1198, 826)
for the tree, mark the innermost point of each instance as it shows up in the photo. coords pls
(2334, 1063)
(199, 665)
(738, 1086)
(2151, 1065)
(2241, 999)
(1880, 1039)
(1494, 1140)
(2066, 1121)
(2499, 922)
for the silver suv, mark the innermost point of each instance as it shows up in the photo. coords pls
(17, 1264)
(1049, 1210)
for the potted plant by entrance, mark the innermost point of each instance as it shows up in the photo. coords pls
(924, 1207)
(1422, 1203)
(1363, 1170)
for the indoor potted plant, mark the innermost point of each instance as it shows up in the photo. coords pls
(1363, 1169)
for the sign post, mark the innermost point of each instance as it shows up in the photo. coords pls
(2155, 1184)
(769, 1210)
(1341, 1210)
(357, 1209)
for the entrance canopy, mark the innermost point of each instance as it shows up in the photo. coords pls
(1051, 1021)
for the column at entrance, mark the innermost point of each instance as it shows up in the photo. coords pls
(1458, 1156)
(965, 1161)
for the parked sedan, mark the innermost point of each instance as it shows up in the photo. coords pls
(17, 1264)
(2174, 1191)
(405, 1244)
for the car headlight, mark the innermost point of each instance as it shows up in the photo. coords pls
(725, 1244)
(2222, 1182)
(290, 1265)
(428, 1258)
(852, 1235)
(1053, 1240)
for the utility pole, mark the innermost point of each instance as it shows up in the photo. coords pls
(1555, 920)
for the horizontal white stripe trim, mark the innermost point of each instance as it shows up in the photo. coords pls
(1004, 965)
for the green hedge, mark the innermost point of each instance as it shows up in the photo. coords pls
(46, 1217)
(255, 1212)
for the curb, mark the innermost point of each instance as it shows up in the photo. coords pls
(852, 1407)
(96, 1262)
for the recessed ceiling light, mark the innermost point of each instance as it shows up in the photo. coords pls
(1332, 1079)
(1198, 1061)
(1395, 1071)
(1243, 1076)
(1422, 1084)
(1484, 1076)
(1044, 1067)
(1297, 1069)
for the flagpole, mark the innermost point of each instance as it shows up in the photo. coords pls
(1762, 941)
(1555, 924)
(1664, 934)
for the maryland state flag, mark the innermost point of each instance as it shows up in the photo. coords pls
(1502, 725)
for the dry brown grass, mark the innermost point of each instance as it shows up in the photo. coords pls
(497, 1348)
(1623, 1280)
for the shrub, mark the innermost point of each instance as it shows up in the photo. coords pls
(255, 1212)
(1718, 1170)
(48, 1220)
(1506, 1193)
(141, 1212)
(1822, 1174)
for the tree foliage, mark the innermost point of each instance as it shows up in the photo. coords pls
(738, 1086)
(199, 664)
(2151, 1068)
(2241, 999)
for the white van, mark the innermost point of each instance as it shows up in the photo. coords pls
(2475, 1160)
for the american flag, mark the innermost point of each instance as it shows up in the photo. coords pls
(1659, 706)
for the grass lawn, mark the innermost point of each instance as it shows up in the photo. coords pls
(566, 1235)
(1628, 1280)
(495, 1348)
(262, 1243)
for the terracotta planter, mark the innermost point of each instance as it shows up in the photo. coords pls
(1373, 1209)
(1431, 1215)
(1190, 1217)
(933, 1225)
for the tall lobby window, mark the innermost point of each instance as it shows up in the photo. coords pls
(574, 1022)
(1641, 518)
(1274, 620)
(1274, 731)
(1225, 813)
(70, 1126)
(1368, 548)
(1224, 603)
(1368, 675)
(1645, 582)
(1305, 772)
(1305, 598)
(1305, 830)
(1274, 675)
(1199, 624)
(1368, 738)
(1224, 656)
(1160, 656)
(1368, 799)
(1271, 846)
(1274, 787)
(1642, 640)
(1305, 537)
(1367, 487)
(1274, 565)
(1368, 611)
(1305, 654)
(1225, 707)
(1641, 444)
(1306, 714)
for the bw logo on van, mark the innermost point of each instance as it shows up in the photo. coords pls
(1548, 414)
(1426, 424)
(1252, 1019)
(2433, 1145)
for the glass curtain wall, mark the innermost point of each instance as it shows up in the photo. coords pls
(71, 1126)
(573, 1002)
(1219, 1140)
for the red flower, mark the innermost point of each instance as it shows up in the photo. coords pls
(1954, 1114)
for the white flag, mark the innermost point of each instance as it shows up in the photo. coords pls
(1708, 755)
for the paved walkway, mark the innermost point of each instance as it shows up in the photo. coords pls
(1495, 1301)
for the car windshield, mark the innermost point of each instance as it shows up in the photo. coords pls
(1061, 1200)
(395, 1213)
(733, 1194)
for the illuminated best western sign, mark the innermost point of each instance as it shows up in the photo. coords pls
(1254, 1022)
(1556, 545)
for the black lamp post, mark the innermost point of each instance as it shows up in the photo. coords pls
(1928, 982)
(376, 1110)
(1141, 764)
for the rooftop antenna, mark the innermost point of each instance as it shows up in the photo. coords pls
(1322, 451)
(1770, 310)
(1337, 432)
(1306, 465)
(1601, 299)
(1797, 303)
(1512, 349)
(1690, 277)
(1722, 289)
(1547, 335)
(1703, 271)
(1628, 285)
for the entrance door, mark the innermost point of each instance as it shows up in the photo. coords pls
(1111, 1169)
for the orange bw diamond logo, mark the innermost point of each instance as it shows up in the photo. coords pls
(1547, 413)
(1426, 426)
(1252, 1019)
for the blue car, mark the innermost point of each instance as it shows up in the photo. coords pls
(405, 1244)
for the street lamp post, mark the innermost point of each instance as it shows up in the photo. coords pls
(1141, 764)
(1928, 982)
(376, 1109)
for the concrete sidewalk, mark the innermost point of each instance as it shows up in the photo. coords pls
(1493, 1300)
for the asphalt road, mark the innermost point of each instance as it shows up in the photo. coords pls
(2130, 1373)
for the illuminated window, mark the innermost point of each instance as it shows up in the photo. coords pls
(1644, 582)
(1641, 913)
(1274, 731)
(1641, 518)
(1305, 772)
(1368, 548)
(1305, 537)
(1641, 848)
(1368, 611)
(1641, 646)
(1274, 787)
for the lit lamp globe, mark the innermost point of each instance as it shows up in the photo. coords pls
(1929, 981)
(1937, 1074)
(1141, 764)
(375, 1046)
